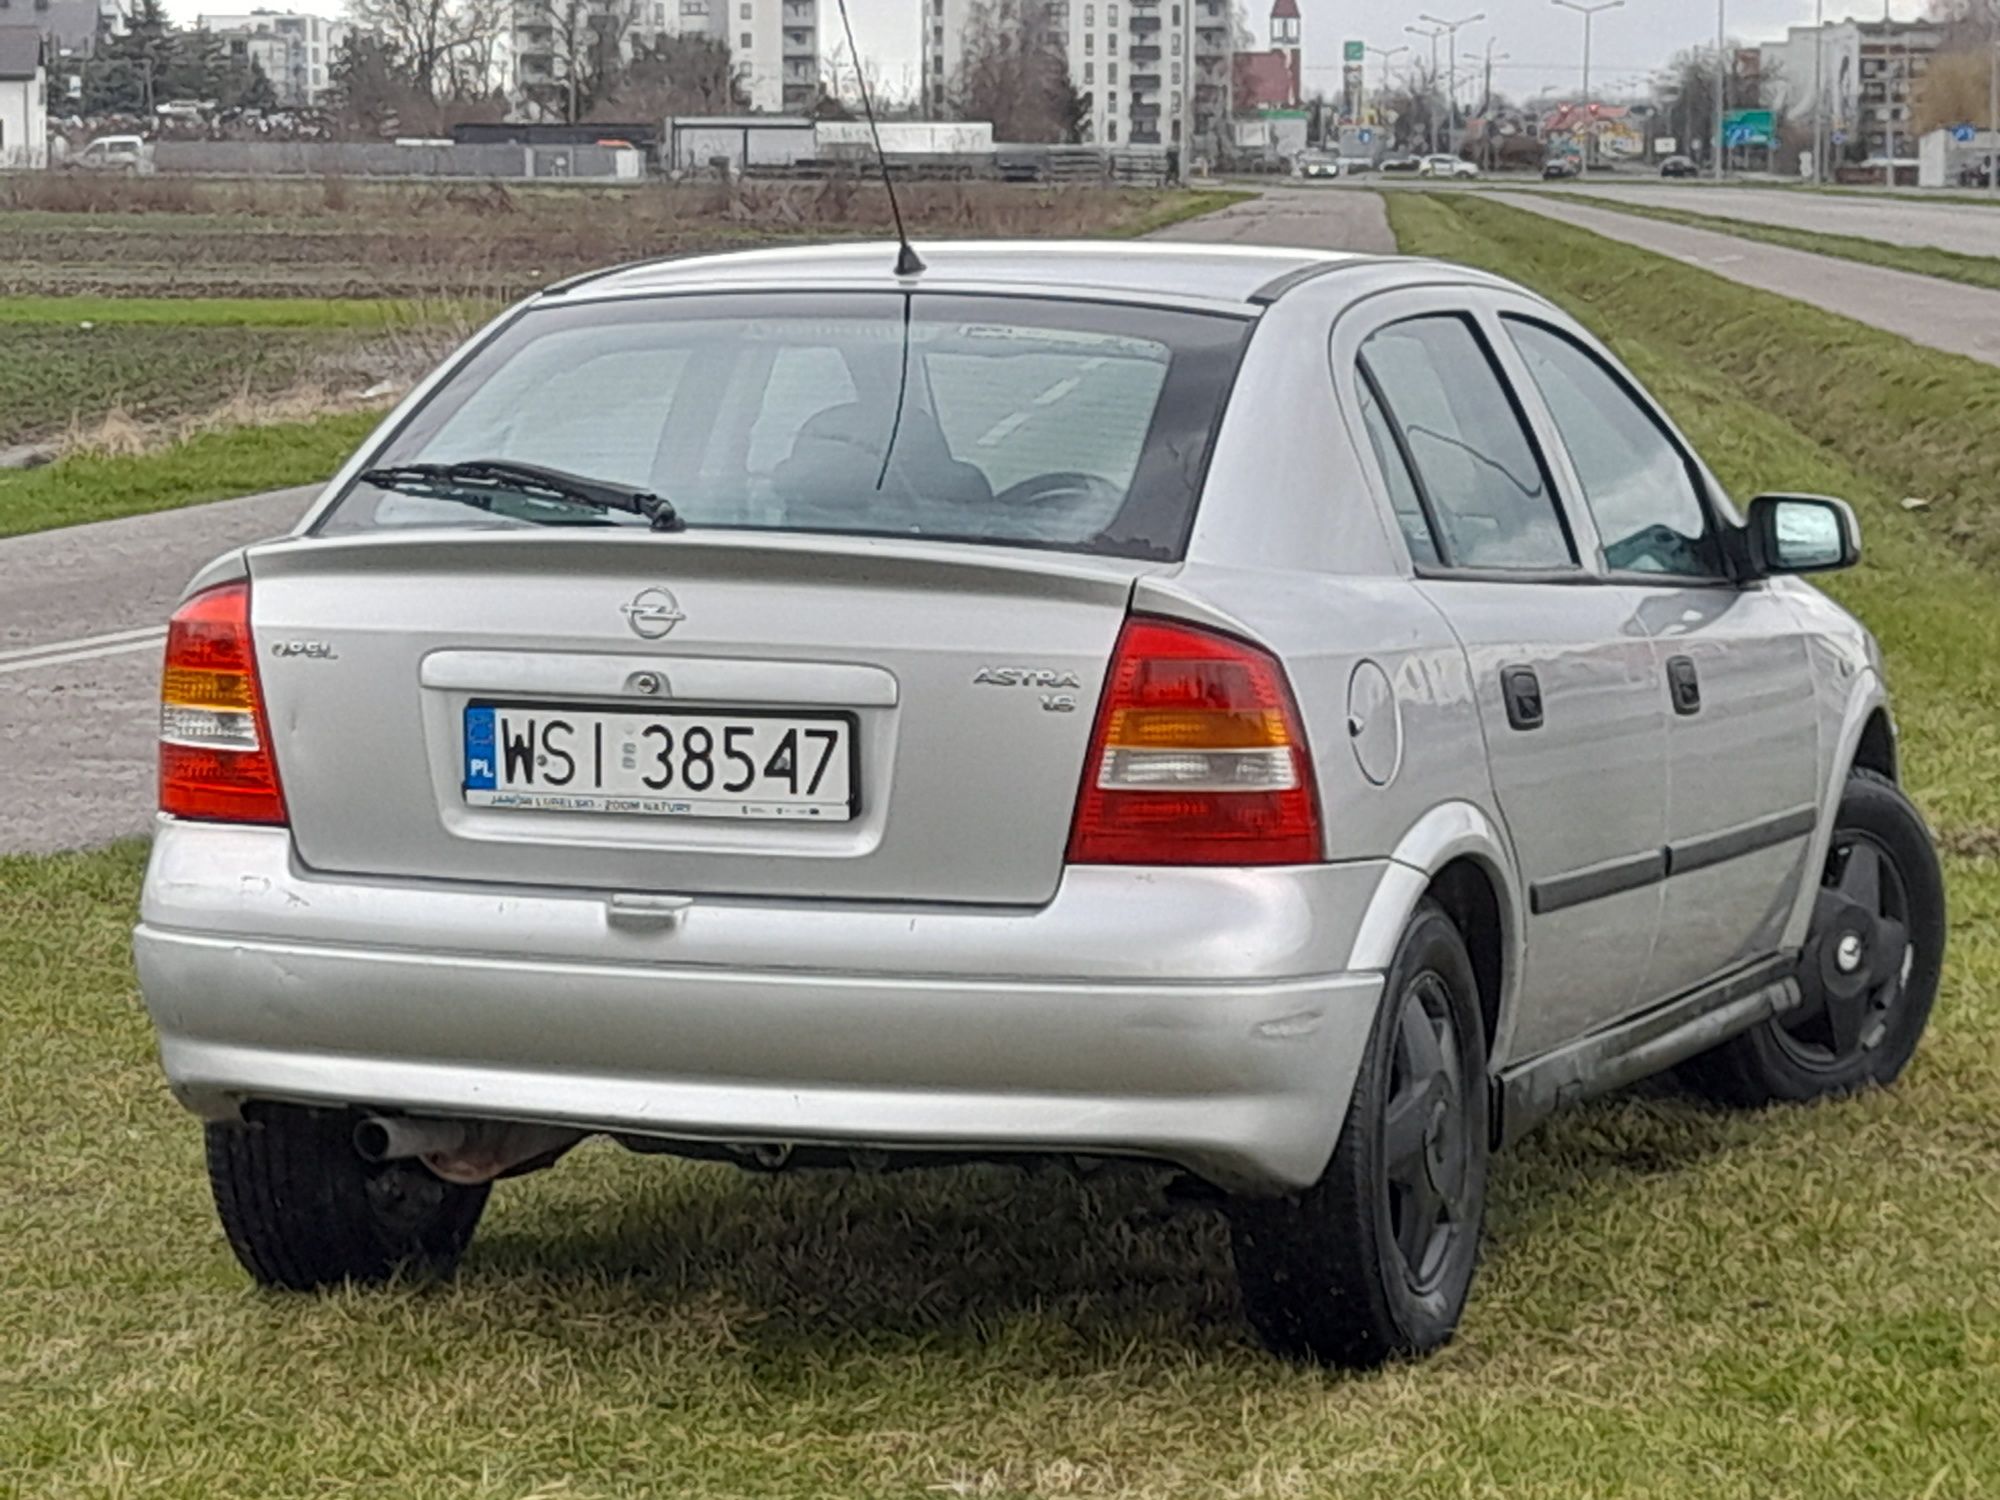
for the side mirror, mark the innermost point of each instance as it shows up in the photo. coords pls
(1802, 534)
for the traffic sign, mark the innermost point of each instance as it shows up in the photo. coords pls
(1840, 138)
(1366, 137)
(1965, 135)
(1748, 127)
(1355, 52)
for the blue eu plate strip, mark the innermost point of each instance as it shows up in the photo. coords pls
(480, 767)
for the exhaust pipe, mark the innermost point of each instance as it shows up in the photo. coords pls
(463, 1151)
(382, 1138)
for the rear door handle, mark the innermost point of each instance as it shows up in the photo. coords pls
(1684, 685)
(1522, 690)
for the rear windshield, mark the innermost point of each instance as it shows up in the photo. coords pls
(1079, 426)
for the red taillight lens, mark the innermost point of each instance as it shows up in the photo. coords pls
(1198, 757)
(215, 743)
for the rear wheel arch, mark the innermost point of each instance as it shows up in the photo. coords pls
(1454, 855)
(1470, 896)
(1876, 750)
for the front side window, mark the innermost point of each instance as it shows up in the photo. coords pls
(1016, 421)
(1469, 448)
(1636, 481)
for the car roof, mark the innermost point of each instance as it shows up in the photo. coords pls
(1178, 272)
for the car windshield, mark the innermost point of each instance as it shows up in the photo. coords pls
(1081, 426)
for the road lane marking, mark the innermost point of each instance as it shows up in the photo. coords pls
(86, 648)
(77, 643)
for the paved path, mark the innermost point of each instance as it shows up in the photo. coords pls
(1306, 218)
(1943, 314)
(80, 633)
(1969, 228)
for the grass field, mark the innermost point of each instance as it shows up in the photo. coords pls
(165, 237)
(1923, 260)
(1678, 1304)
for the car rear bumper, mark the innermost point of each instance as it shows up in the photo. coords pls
(1202, 1017)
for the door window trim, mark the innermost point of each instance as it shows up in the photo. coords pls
(1574, 571)
(1697, 477)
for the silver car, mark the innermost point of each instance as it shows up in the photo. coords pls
(1290, 717)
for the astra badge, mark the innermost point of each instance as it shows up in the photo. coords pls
(1024, 677)
(652, 613)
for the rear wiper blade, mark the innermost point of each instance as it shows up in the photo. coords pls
(464, 482)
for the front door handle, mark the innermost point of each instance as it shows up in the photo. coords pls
(1523, 691)
(1684, 685)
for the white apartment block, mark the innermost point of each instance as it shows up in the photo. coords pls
(1863, 76)
(773, 44)
(1157, 72)
(296, 51)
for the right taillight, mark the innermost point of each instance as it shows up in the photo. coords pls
(1198, 758)
(215, 741)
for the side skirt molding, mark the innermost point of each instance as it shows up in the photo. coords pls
(1642, 1045)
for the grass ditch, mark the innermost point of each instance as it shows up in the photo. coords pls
(1677, 1303)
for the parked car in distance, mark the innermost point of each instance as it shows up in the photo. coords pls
(114, 153)
(1400, 165)
(1976, 174)
(1442, 165)
(1561, 168)
(1679, 166)
(1356, 166)
(965, 720)
(1316, 164)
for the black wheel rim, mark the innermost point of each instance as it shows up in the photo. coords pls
(1427, 1134)
(1858, 957)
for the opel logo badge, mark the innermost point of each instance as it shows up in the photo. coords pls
(652, 613)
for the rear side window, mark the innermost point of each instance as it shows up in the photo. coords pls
(1403, 493)
(1080, 426)
(1487, 491)
(1638, 484)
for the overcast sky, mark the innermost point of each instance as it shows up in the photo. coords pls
(1542, 43)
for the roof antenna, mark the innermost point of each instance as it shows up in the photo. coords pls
(908, 262)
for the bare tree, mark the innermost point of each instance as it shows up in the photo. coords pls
(676, 75)
(584, 42)
(443, 48)
(1015, 72)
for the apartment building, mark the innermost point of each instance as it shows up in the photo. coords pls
(295, 50)
(1156, 72)
(1860, 76)
(773, 44)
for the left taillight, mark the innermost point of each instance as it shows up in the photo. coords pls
(215, 739)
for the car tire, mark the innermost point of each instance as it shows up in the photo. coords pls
(303, 1210)
(1354, 1271)
(1855, 1028)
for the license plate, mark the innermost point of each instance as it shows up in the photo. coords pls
(692, 763)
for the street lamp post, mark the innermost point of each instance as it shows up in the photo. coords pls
(1386, 53)
(1451, 30)
(1889, 84)
(1721, 84)
(1589, 14)
(1432, 35)
(1993, 117)
(1819, 92)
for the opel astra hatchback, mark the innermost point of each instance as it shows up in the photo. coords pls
(1291, 718)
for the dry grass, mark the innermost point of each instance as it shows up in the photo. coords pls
(342, 238)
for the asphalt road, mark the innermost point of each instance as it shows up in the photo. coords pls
(81, 609)
(1945, 315)
(1970, 229)
(1306, 218)
(80, 636)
